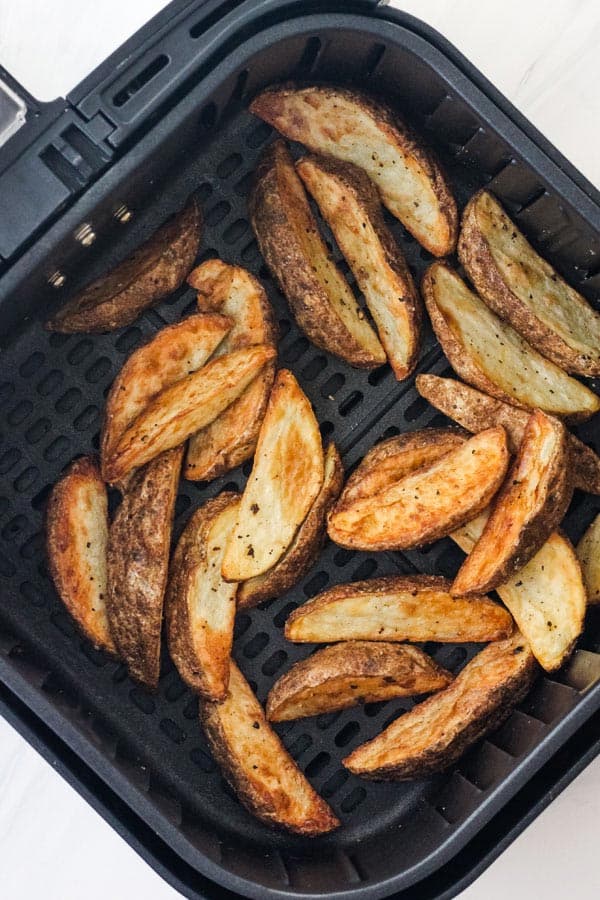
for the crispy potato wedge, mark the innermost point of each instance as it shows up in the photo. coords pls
(546, 597)
(397, 608)
(530, 505)
(284, 483)
(319, 296)
(231, 439)
(173, 353)
(476, 411)
(390, 460)
(434, 734)
(426, 504)
(199, 605)
(588, 553)
(76, 542)
(349, 203)
(139, 541)
(352, 673)
(186, 406)
(306, 546)
(524, 289)
(489, 354)
(153, 271)
(356, 128)
(256, 764)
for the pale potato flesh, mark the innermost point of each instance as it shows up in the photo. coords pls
(503, 356)
(175, 352)
(337, 123)
(588, 553)
(186, 406)
(257, 765)
(286, 477)
(546, 597)
(422, 506)
(536, 284)
(397, 610)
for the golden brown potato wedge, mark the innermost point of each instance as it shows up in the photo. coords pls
(174, 352)
(426, 504)
(155, 269)
(352, 673)
(588, 553)
(390, 460)
(349, 203)
(524, 289)
(199, 605)
(356, 128)
(434, 734)
(530, 505)
(319, 296)
(397, 608)
(476, 411)
(305, 548)
(489, 354)
(256, 764)
(186, 406)
(231, 439)
(546, 597)
(76, 541)
(139, 541)
(284, 483)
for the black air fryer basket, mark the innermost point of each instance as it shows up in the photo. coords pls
(164, 116)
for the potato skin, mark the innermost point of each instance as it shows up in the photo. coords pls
(476, 411)
(478, 701)
(155, 269)
(271, 215)
(306, 546)
(370, 672)
(477, 258)
(295, 124)
(257, 766)
(588, 554)
(76, 539)
(138, 559)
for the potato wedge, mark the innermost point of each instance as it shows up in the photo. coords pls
(397, 608)
(257, 766)
(490, 355)
(351, 673)
(588, 553)
(76, 541)
(186, 406)
(173, 353)
(524, 289)
(390, 460)
(199, 605)
(319, 296)
(530, 505)
(434, 734)
(306, 546)
(546, 597)
(231, 439)
(139, 541)
(284, 483)
(356, 128)
(153, 271)
(349, 203)
(426, 504)
(476, 411)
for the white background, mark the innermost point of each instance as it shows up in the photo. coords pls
(545, 57)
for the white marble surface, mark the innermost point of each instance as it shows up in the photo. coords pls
(544, 56)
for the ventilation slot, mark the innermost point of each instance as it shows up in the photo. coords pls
(143, 78)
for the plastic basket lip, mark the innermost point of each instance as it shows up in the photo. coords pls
(99, 762)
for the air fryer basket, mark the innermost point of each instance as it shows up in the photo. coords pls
(149, 749)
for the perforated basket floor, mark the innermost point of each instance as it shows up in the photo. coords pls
(52, 388)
